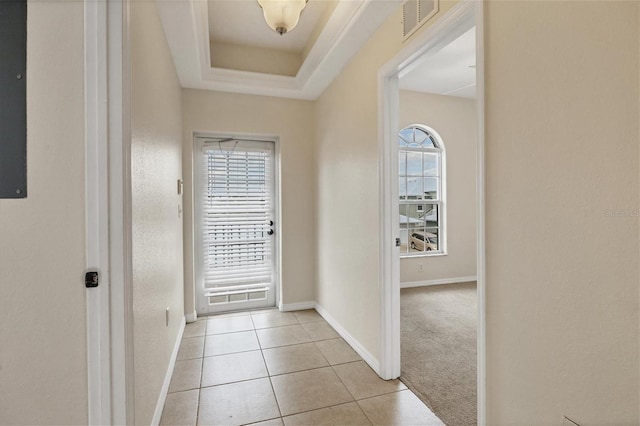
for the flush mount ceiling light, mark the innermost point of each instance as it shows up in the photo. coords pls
(282, 15)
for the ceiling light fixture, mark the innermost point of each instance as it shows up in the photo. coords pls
(282, 15)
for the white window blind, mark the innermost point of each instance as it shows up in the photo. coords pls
(236, 208)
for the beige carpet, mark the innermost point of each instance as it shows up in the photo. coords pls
(438, 347)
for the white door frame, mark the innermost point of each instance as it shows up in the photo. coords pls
(96, 213)
(108, 213)
(120, 229)
(277, 262)
(460, 18)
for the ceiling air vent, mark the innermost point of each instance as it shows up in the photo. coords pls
(409, 17)
(415, 13)
(426, 9)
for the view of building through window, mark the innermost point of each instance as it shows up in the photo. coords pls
(420, 189)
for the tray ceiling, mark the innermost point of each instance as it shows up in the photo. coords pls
(241, 22)
(226, 45)
(248, 57)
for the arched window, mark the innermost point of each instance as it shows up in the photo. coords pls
(422, 192)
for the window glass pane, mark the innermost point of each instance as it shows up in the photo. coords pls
(403, 216)
(430, 216)
(419, 211)
(238, 298)
(434, 142)
(403, 188)
(432, 236)
(404, 243)
(413, 242)
(429, 142)
(416, 240)
(402, 163)
(430, 188)
(414, 163)
(414, 188)
(258, 296)
(406, 136)
(420, 135)
(414, 216)
(430, 167)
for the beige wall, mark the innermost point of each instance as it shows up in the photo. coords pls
(455, 120)
(347, 188)
(562, 150)
(255, 59)
(157, 228)
(290, 120)
(43, 365)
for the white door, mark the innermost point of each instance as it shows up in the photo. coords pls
(235, 240)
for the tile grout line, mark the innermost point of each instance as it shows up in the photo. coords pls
(341, 381)
(354, 398)
(268, 373)
(332, 406)
(201, 371)
(364, 412)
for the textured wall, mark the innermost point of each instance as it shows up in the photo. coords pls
(290, 120)
(455, 120)
(562, 196)
(156, 156)
(43, 365)
(347, 188)
(561, 199)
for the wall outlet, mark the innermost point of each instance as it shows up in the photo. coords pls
(566, 421)
(420, 267)
(166, 316)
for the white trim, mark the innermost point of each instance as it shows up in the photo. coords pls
(157, 414)
(300, 306)
(192, 317)
(97, 212)
(480, 222)
(441, 281)
(120, 228)
(441, 202)
(347, 30)
(352, 341)
(388, 96)
(461, 17)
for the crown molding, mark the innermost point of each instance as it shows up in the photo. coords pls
(186, 27)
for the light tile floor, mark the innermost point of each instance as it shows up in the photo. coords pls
(280, 368)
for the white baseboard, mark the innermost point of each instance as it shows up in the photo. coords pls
(286, 307)
(192, 317)
(438, 282)
(167, 377)
(355, 344)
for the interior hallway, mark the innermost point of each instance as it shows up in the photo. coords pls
(280, 368)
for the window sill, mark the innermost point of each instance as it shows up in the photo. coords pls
(412, 255)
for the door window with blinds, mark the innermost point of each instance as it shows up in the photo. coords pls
(234, 224)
